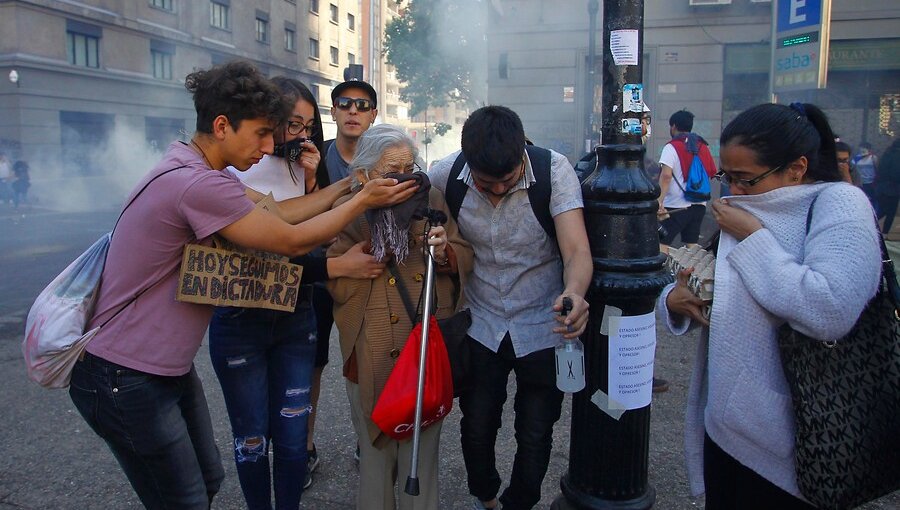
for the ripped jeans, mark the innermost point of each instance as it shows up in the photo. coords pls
(264, 362)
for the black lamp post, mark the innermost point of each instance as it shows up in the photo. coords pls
(608, 457)
(589, 119)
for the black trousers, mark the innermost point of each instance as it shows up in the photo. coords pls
(732, 486)
(538, 404)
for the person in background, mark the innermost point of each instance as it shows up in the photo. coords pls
(848, 171)
(374, 324)
(354, 108)
(770, 269)
(866, 163)
(684, 216)
(135, 384)
(264, 358)
(888, 185)
(20, 184)
(6, 177)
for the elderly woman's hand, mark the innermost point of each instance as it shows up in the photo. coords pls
(437, 237)
(682, 301)
(737, 222)
(386, 192)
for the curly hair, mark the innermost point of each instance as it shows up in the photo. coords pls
(238, 91)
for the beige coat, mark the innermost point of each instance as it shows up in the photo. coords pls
(370, 314)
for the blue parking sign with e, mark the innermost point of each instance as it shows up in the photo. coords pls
(793, 14)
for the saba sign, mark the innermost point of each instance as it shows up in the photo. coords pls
(800, 45)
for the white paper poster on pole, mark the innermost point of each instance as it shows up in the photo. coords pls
(632, 344)
(623, 44)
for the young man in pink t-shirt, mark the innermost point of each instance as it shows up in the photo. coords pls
(136, 385)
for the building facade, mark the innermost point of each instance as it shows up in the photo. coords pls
(710, 57)
(96, 72)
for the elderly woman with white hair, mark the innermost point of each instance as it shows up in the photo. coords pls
(373, 321)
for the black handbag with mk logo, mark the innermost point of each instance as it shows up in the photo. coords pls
(846, 397)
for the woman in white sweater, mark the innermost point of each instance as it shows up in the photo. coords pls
(739, 432)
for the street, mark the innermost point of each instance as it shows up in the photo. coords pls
(49, 459)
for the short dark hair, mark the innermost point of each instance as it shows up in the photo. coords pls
(493, 141)
(842, 147)
(779, 134)
(238, 91)
(683, 121)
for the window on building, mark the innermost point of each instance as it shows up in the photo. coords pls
(166, 5)
(219, 15)
(80, 135)
(333, 10)
(161, 131)
(162, 65)
(334, 56)
(351, 22)
(351, 59)
(290, 39)
(262, 30)
(83, 44)
(314, 6)
(313, 48)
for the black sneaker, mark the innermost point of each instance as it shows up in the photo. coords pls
(312, 462)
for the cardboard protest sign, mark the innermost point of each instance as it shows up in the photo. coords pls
(228, 275)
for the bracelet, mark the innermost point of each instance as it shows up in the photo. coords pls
(445, 262)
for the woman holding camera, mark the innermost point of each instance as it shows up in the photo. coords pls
(797, 246)
(264, 358)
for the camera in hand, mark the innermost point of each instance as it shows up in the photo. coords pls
(290, 150)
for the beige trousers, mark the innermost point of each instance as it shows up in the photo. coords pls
(381, 468)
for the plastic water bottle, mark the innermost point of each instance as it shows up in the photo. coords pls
(569, 359)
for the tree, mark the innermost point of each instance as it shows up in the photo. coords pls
(435, 46)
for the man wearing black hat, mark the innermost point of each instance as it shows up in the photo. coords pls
(353, 107)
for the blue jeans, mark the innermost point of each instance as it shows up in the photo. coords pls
(264, 362)
(157, 427)
(538, 404)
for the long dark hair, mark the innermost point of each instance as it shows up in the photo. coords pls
(294, 90)
(780, 134)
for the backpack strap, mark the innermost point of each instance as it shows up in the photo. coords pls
(456, 189)
(540, 191)
(685, 157)
(136, 195)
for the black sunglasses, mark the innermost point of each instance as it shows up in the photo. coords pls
(344, 103)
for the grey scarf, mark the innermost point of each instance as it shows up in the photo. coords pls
(390, 225)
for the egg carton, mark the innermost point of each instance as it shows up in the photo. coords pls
(701, 280)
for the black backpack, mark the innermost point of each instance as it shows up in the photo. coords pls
(538, 193)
